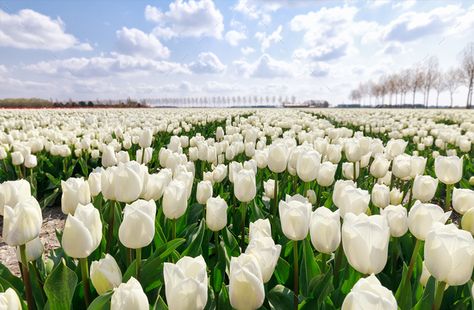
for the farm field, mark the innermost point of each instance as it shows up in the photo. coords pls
(236, 209)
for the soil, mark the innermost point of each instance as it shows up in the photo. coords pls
(53, 219)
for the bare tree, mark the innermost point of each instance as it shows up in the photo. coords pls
(416, 81)
(439, 85)
(467, 67)
(429, 76)
(453, 79)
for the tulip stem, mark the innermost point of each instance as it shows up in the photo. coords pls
(414, 255)
(111, 226)
(275, 196)
(449, 190)
(355, 170)
(85, 279)
(295, 275)
(138, 258)
(143, 156)
(173, 229)
(439, 295)
(242, 232)
(337, 264)
(216, 243)
(26, 277)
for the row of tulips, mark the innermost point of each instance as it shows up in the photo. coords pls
(223, 220)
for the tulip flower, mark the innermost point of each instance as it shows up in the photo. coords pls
(418, 164)
(186, 283)
(244, 185)
(348, 170)
(129, 295)
(325, 230)
(125, 182)
(259, 229)
(109, 158)
(368, 293)
(424, 188)
(467, 221)
(307, 166)
(17, 158)
(267, 254)
(146, 138)
(353, 200)
(75, 191)
(9, 300)
(216, 213)
(449, 171)
(401, 166)
(203, 192)
(422, 216)
(94, 181)
(105, 274)
(397, 219)
(380, 195)
(246, 289)
(34, 250)
(327, 171)
(269, 188)
(463, 200)
(338, 191)
(295, 213)
(379, 167)
(395, 147)
(277, 157)
(175, 199)
(13, 192)
(396, 196)
(156, 184)
(333, 153)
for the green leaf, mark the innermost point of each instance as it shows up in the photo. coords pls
(404, 292)
(427, 299)
(160, 304)
(50, 199)
(321, 286)
(59, 287)
(8, 277)
(224, 302)
(282, 271)
(280, 298)
(309, 268)
(101, 302)
(230, 243)
(194, 247)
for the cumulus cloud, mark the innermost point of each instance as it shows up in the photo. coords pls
(319, 69)
(28, 29)
(207, 63)
(247, 50)
(392, 48)
(331, 51)
(234, 37)
(251, 10)
(265, 67)
(105, 66)
(132, 41)
(267, 40)
(187, 19)
(219, 87)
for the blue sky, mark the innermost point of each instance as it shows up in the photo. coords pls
(152, 49)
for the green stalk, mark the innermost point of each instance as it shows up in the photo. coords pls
(295, 274)
(439, 295)
(173, 229)
(449, 190)
(416, 249)
(85, 279)
(242, 236)
(143, 155)
(337, 264)
(355, 174)
(111, 226)
(275, 196)
(26, 278)
(216, 243)
(138, 258)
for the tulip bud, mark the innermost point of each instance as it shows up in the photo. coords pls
(203, 192)
(260, 229)
(245, 276)
(339, 187)
(219, 173)
(422, 216)
(108, 157)
(425, 275)
(327, 171)
(325, 230)
(189, 273)
(418, 165)
(448, 169)
(307, 166)
(380, 195)
(471, 181)
(353, 200)
(129, 295)
(216, 213)
(145, 138)
(9, 300)
(401, 166)
(82, 231)
(148, 154)
(368, 293)
(175, 199)
(395, 148)
(467, 221)
(244, 185)
(94, 181)
(424, 188)
(138, 226)
(156, 184)
(105, 274)
(397, 219)
(333, 153)
(123, 157)
(311, 196)
(13, 192)
(277, 157)
(124, 182)
(365, 242)
(295, 214)
(449, 254)
(386, 179)
(30, 161)
(75, 191)
(3, 153)
(269, 187)
(22, 223)
(17, 158)
(463, 200)
(396, 196)
(34, 250)
(352, 151)
(266, 253)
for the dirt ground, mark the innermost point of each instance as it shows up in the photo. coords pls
(53, 219)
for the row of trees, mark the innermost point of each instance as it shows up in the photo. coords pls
(421, 78)
(227, 101)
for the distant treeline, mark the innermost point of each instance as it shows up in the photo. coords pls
(43, 103)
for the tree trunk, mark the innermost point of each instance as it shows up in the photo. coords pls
(414, 92)
(451, 94)
(469, 93)
(437, 98)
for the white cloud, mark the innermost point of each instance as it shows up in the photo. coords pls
(373, 4)
(331, 51)
(404, 5)
(132, 41)
(183, 86)
(219, 87)
(233, 37)
(264, 67)
(250, 9)
(392, 48)
(3, 69)
(247, 50)
(207, 63)
(31, 30)
(187, 19)
(105, 66)
(267, 40)
(319, 69)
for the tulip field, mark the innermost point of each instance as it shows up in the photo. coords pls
(239, 208)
